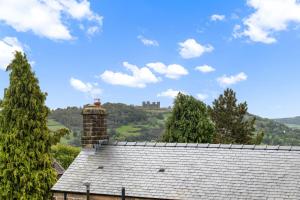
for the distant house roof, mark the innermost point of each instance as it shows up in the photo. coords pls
(186, 171)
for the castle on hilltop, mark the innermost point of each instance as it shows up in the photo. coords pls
(153, 105)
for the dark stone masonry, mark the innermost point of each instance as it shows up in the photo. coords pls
(94, 125)
(153, 105)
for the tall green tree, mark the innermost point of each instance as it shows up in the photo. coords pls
(25, 141)
(231, 120)
(189, 121)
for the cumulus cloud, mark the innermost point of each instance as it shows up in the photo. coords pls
(217, 17)
(190, 48)
(88, 88)
(8, 46)
(138, 78)
(173, 71)
(205, 68)
(202, 97)
(45, 18)
(230, 80)
(170, 93)
(269, 17)
(147, 42)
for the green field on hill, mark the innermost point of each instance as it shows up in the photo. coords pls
(54, 125)
(293, 126)
(126, 131)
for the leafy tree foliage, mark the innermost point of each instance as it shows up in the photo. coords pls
(25, 159)
(259, 138)
(58, 134)
(119, 113)
(65, 154)
(230, 120)
(189, 121)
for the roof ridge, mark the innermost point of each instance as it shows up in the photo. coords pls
(207, 145)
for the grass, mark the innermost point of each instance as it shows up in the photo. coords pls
(293, 126)
(54, 125)
(161, 110)
(128, 130)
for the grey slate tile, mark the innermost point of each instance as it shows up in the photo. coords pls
(203, 145)
(236, 172)
(141, 143)
(151, 144)
(214, 145)
(181, 144)
(192, 145)
(171, 144)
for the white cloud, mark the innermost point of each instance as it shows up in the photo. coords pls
(173, 71)
(205, 68)
(45, 18)
(237, 31)
(269, 17)
(139, 78)
(191, 49)
(202, 97)
(230, 80)
(217, 17)
(147, 42)
(8, 46)
(92, 30)
(88, 88)
(170, 93)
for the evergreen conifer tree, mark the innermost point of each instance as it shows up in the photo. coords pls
(231, 121)
(189, 121)
(25, 160)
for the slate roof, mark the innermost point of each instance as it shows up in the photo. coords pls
(191, 171)
(58, 168)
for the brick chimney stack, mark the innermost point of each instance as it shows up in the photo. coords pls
(94, 124)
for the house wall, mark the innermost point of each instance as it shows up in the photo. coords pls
(60, 196)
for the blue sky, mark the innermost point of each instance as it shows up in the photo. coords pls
(131, 51)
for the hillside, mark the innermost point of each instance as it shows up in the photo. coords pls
(292, 122)
(124, 122)
(134, 124)
(277, 133)
(54, 125)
